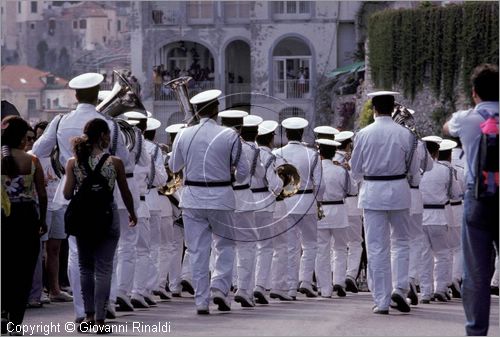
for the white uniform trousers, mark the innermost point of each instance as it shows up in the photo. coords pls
(340, 237)
(293, 258)
(264, 255)
(144, 261)
(387, 242)
(307, 227)
(280, 262)
(495, 279)
(198, 227)
(416, 246)
(435, 261)
(154, 242)
(126, 255)
(456, 252)
(173, 266)
(354, 245)
(245, 254)
(74, 277)
(162, 265)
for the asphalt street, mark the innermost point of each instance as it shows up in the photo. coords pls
(348, 316)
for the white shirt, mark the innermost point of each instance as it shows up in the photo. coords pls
(207, 152)
(337, 184)
(70, 126)
(382, 149)
(308, 164)
(51, 183)
(245, 198)
(434, 186)
(157, 176)
(266, 201)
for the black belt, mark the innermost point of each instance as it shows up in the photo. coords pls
(129, 175)
(414, 187)
(352, 195)
(337, 202)
(305, 191)
(395, 177)
(241, 187)
(142, 198)
(260, 189)
(456, 203)
(207, 183)
(430, 206)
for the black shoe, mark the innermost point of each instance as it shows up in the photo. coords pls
(378, 311)
(350, 285)
(412, 294)
(203, 312)
(260, 298)
(401, 304)
(494, 290)
(440, 297)
(340, 291)
(187, 287)
(455, 289)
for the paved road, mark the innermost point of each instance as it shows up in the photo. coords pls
(349, 316)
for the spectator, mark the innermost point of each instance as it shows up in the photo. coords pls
(23, 221)
(96, 254)
(30, 139)
(480, 226)
(40, 128)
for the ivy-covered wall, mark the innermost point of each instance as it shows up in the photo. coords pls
(432, 46)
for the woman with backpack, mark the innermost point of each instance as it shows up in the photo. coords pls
(23, 220)
(91, 216)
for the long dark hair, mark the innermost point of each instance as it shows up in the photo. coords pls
(14, 128)
(92, 132)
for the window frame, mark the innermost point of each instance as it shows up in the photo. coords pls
(35, 3)
(296, 15)
(199, 20)
(238, 18)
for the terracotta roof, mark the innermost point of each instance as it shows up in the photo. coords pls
(23, 77)
(84, 9)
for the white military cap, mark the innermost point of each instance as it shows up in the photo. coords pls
(85, 81)
(152, 124)
(328, 142)
(447, 144)
(434, 139)
(175, 128)
(343, 135)
(149, 114)
(205, 96)
(132, 121)
(135, 115)
(252, 120)
(295, 123)
(233, 114)
(267, 127)
(411, 111)
(103, 94)
(326, 130)
(382, 93)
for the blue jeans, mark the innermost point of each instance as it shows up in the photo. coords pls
(479, 235)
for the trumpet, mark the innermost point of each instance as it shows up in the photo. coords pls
(291, 180)
(180, 88)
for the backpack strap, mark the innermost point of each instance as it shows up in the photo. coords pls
(58, 169)
(98, 167)
(114, 141)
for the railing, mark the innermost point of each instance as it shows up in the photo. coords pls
(163, 93)
(292, 88)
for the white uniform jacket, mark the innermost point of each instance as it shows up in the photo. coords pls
(157, 176)
(337, 184)
(270, 184)
(426, 163)
(208, 152)
(307, 162)
(437, 187)
(457, 207)
(352, 199)
(385, 148)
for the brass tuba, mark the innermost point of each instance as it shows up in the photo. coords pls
(291, 180)
(121, 99)
(180, 88)
(174, 180)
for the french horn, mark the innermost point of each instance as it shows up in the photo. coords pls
(404, 116)
(291, 180)
(174, 180)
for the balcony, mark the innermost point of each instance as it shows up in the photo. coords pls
(163, 93)
(296, 89)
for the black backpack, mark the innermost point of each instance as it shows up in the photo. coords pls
(90, 211)
(486, 184)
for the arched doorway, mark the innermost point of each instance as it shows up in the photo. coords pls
(291, 68)
(237, 75)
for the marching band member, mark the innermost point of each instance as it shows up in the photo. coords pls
(354, 214)
(438, 186)
(60, 132)
(264, 191)
(336, 186)
(207, 199)
(383, 157)
(301, 206)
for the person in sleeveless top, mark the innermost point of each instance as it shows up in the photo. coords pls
(23, 220)
(96, 255)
